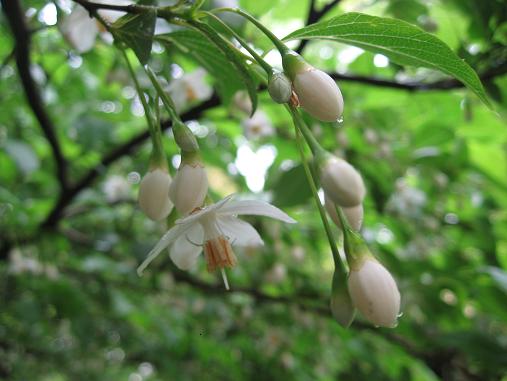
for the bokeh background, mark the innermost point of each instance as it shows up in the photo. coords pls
(433, 157)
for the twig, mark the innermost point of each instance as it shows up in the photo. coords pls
(22, 35)
(315, 15)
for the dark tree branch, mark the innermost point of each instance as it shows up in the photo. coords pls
(87, 179)
(22, 35)
(315, 15)
(444, 84)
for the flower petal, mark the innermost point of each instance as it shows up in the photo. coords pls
(239, 232)
(168, 238)
(194, 216)
(254, 207)
(187, 247)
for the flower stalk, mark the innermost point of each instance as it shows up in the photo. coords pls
(334, 249)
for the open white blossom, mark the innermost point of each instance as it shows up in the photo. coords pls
(258, 126)
(189, 88)
(213, 229)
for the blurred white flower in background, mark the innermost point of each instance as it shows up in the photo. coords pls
(116, 188)
(79, 29)
(258, 126)
(242, 101)
(189, 88)
(407, 199)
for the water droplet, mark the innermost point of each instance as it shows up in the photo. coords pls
(133, 178)
(339, 120)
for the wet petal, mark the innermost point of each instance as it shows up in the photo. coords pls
(187, 247)
(168, 238)
(254, 207)
(239, 232)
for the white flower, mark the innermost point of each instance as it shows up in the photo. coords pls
(242, 101)
(374, 292)
(318, 94)
(116, 188)
(212, 229)
(154, 194)
(79, 29)
(189, 88)
(258, 126)
(189, 188)
(341, 182)
(354, 214)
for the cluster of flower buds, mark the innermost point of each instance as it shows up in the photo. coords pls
(303, 85)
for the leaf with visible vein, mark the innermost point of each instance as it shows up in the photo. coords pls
(136, 30)
(398, 40)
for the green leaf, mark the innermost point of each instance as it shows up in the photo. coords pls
(291, 188)
(136, 30)
(196, 46)
(398, 40)
(235, 57)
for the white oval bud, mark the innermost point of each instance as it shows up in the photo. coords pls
(354, 214)
(341, 182)
(154, 194)
(189, 187)
(319, 95)
(374, 292)
(280, 88)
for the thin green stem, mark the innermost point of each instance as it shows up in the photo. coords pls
(155, 133)
(276, 41)
(254, 54)
(307, 134)
(299, 141)
(166, 99)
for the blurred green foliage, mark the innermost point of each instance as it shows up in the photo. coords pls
(435, 165)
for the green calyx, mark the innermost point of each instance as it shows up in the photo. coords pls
(356, 249)
(185, 139)
(294, 64)
(342, 307)
(191, 158)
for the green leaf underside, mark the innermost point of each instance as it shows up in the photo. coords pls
(401, 42)
(234, 58)
(137, 30)
(207, 55)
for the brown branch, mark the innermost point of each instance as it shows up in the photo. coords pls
(314, 16)
(15, 17)
(128, 147)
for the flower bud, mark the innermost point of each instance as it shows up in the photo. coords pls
(341, 305)
(319, 95)
(154, 194)
(354, 214)
(341, 182)
(189, 188)
(374, 292)
(280, 87)
(317, 92)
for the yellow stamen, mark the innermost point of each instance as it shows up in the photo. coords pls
(218, 253)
